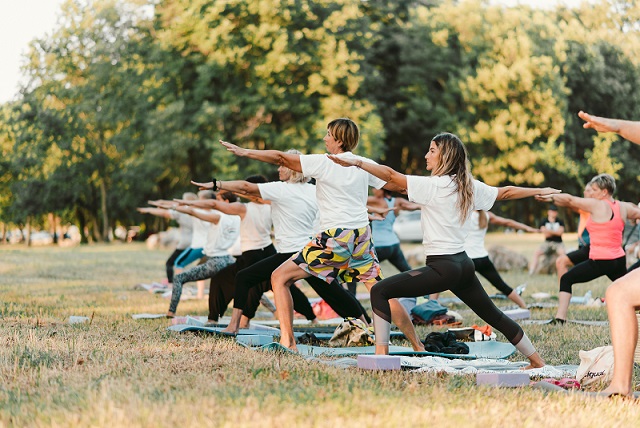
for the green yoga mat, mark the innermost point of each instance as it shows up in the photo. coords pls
(489, 349)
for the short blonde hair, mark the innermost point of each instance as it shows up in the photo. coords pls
(346, 131)
(296, 177)
(604, 182)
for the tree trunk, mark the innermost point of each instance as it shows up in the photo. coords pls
(103, 208)
(82, 226)
(28, 227)
(3, 234)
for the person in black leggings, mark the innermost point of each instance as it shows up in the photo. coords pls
(447, 197)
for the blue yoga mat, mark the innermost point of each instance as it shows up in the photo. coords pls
(218, 330)
(180, 328)
(489, 349)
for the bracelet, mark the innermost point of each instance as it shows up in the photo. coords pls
(215, 185)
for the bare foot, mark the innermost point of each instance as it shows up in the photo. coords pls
(245, 325)
(613, 390)
(289, 345)
(535, 362)
(230, 331)
(170, 314)
(314, 321)
(419, 348)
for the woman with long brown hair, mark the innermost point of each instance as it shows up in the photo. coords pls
(447, 197)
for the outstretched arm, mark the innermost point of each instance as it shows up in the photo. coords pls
(275, 157)
(162, 203)
(514, 192)
(237, 186)
(403, 204)
(631, 210)
(507, 222)
(231, 208)
(158, 212)
(589, 205)
(211, 217)
(625, 128)
(395, 181)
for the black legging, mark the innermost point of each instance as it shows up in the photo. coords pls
(448, 272)
(340, 300)
(484, 266)
(223, 284)
(170, 262)
(394, 254)
(592, 269)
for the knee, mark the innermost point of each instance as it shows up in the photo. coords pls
(377, 293)
(278, 279)
(616, 293)
(562, 262)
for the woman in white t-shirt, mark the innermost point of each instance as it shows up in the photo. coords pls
(343, 251)
(447, 197)
(293, 210)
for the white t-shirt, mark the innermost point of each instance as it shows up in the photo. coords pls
(185, 221)
(474, 245)
(443, 232)
(255, 229)
(341, 191)
(222, 236)
(293, 211)
(200, 230)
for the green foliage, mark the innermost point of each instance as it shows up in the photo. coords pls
(126, 100)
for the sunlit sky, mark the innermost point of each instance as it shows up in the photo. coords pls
(21, 21)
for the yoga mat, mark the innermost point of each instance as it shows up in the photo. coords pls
(148, 316)
(180, 328)
(256, 329)
(488, 349)
(581, 322)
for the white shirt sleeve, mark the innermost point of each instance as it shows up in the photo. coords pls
(272, 191)
(421, 190)
(484, 196)
(313, 165)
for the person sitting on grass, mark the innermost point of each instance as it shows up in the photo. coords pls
(447, 197)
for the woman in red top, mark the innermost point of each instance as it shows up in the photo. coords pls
(605, 226)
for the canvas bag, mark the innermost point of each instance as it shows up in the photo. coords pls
(351, 332)
(596, 366)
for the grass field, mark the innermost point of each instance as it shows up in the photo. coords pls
(120, 372)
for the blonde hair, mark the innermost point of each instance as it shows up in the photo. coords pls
(346, 131)
(189, 196)
(604, 182)
(296, 177)
(454, 162)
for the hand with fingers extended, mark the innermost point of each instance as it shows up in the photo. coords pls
(238, 151)
(145, 210)
(600, 124)
(548, 192)
(204, 186)
(345, 161)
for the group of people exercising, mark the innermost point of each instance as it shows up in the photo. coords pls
(322, 234)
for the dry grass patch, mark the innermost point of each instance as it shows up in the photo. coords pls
(121, 372)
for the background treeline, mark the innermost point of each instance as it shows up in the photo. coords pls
(126, 99)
